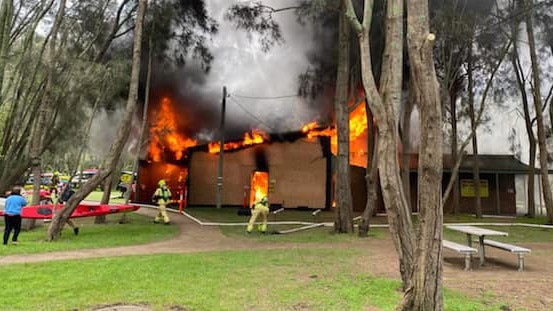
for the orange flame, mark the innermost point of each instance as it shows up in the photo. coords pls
(259, 186)
(254, 138)
(164, 133)
(357, 135)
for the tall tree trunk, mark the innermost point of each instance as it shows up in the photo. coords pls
(426, 292)
(115, 152)
(45, 108)
(371, 175)
(473, 126)
(384, 102)
(456, 196)
(343, 222)
(538, 105)
(405, 146)
(521, 83)
(6, 17)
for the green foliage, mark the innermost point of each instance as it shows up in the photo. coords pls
(180, 30)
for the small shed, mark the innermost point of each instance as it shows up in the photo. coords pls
(497, 182)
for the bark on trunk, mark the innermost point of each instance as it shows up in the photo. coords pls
(521, 83)
(405, 148)
(473, 125)
(426, 292)
(6, 16)
(384, 103)
(343, 222)
(456, 196)
(371, 176)
(44, 110)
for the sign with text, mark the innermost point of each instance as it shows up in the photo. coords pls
(468, 185)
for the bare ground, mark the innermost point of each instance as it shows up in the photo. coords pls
(497, 281)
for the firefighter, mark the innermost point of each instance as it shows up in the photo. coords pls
(260, 207)
(162, 197)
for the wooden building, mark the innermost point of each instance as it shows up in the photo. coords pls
(300, 176)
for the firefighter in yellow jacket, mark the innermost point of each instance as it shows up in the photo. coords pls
(162, 196)
(260, 208)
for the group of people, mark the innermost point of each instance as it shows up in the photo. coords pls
(15, 203)
(162, 196)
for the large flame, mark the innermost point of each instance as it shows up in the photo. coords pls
(165, 135)
(259, 186)
(254, 138)
(357, 135)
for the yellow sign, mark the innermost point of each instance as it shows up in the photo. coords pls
(467, 188)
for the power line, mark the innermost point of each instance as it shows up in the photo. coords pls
(265, 97)
(251, 114)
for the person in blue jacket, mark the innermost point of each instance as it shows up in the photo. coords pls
(12, 214)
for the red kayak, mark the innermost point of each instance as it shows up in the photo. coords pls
(82, 210)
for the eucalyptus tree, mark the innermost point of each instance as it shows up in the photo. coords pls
(113, 157)
(183, 36)
(527, 60)
(469, 52)
(528, 7)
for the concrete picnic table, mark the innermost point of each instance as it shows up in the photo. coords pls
(480, 232)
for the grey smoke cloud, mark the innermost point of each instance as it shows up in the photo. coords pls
(246, 71)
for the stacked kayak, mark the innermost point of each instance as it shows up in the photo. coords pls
(46, 211)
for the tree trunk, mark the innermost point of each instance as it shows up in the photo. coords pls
(384, 102)
(45, 108)
(473, 126)
(454, 154)
(6, 16)
(343, 222)
(547, 196)
(371, 176)
(405, 147)
(426, 292)
(521, 83)
(115, 152)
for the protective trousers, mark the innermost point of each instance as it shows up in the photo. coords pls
(162, 213)
(259, 210)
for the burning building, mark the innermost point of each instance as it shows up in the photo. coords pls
(295, 169)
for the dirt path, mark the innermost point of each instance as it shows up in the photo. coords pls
(498, 280)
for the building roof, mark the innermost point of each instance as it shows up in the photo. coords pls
(489, 163)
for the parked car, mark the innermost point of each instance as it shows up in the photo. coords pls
(45, 181)
(82, 177)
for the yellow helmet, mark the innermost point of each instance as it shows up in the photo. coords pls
(264, 200)
(161, 182)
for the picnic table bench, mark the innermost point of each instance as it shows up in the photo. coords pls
(481, 233)
(463, 249)
(518, 250)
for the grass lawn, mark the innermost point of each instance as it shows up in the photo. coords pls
(296, 279)
(292, 279)
(138, 230)
(517, 234)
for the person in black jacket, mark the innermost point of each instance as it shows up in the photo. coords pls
(65, 195)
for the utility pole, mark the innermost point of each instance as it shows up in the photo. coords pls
(221, 151)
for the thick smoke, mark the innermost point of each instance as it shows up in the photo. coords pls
(262, 86)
